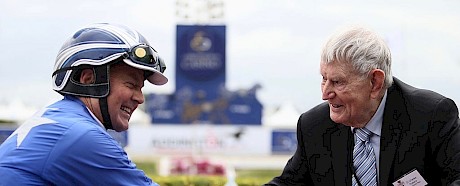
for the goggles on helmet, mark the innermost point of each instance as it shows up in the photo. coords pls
(145, 55)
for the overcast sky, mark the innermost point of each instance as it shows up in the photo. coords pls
(274, 43)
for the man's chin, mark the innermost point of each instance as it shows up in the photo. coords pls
(335, 117)
(342, 122)
(120, 126)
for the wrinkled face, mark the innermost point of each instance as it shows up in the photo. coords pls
(125, 95)
(348, 95)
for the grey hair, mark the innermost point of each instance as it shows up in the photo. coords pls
(362, 48)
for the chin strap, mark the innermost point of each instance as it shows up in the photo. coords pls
(105, 113)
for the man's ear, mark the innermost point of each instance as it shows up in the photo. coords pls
(87, 76)
(377, 81)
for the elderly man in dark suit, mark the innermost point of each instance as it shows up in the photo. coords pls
(373, 128)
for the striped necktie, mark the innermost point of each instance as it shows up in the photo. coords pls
(364, 159)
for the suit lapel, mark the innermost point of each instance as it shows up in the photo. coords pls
(393, 117)
(342, 148)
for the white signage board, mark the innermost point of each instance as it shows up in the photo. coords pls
(199, 139)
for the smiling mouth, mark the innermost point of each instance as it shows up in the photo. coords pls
(127, 110)
(336, 106)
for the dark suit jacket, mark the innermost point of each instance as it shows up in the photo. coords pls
(420, 130)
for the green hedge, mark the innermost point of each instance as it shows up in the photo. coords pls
(205, 181)
(189, 180)
(244, 177)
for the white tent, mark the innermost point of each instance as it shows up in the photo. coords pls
(285, 117)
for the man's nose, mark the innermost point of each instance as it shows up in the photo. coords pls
(138, 97)
(327, 91)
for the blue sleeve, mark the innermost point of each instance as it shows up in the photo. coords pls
(92, 157)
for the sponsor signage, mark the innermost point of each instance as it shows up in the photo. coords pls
(199, 139)
(200, 59)
(200, 96)
(284, 141)
(234, 109)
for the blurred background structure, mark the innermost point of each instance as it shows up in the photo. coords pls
(240, 72)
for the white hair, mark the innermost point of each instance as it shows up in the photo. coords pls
(362, 48)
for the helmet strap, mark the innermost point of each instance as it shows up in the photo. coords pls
(103, 74)
(105, 113)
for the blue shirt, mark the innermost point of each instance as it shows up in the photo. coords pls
(375, 126)
(64, 144)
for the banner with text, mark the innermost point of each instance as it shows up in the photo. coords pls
(200, 60)
(198, 140)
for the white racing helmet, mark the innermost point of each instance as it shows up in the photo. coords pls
(97, 46)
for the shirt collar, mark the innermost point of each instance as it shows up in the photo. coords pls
(95, 118)
(375, 124)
